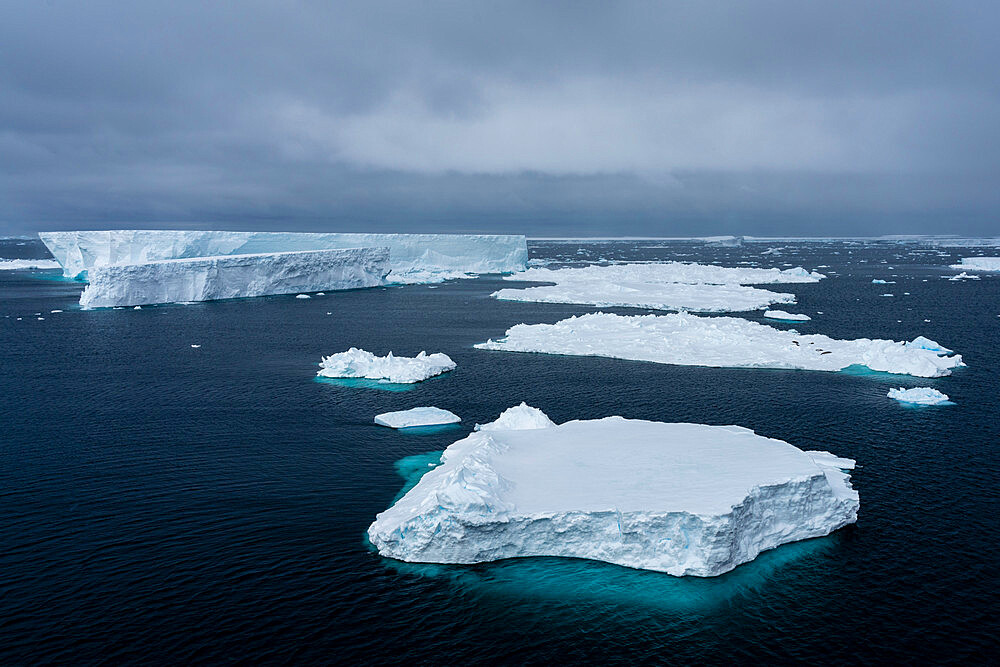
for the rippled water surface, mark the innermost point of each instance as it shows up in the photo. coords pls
(165, 503)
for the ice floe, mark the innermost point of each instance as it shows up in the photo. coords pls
(686, 499)
(918, 396)
(356, 363)
(424, 416)
(782, 315)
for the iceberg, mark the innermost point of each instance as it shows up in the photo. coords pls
(233, 276)
(782, 315)
(978, 264)
(18, 264)
(690, 340)
(685, 499)
(356, 363)
(78, 252)
(963, 276)
(660, 286)
(918, 396)
(429, 416)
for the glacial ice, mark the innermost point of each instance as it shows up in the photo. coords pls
(18, 264)
(690, 340)
(782, 315)
(918, 396)
(661, 286)
(686, 499)
(80, 251)
(426, 416)
(978, 264)
(357, 363)
(234, 276)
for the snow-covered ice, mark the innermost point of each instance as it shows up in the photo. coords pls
(234, 276)
(518, 418)
(357, 363)
(662, 286)
(782, 315)
(17, 264)
(918, 396)
(426, 416)
(978, 264)
(686, 499)
(690, 340)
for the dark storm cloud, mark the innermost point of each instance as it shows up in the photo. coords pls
(546, 118)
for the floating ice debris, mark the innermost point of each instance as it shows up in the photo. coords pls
(19, 264)
(428, 416)
(195, 346)
(137, 308)
(782, 315)
(887, 295)
(55, 311)
(689, 340)
(686, 499)
(302, 296)
(320, 293)
(978, 264)
(918, 396)
(357, 363)
(963, 276)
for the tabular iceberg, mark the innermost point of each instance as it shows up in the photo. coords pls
(17, 264)
(689, 340)
(80, 251)
(686, 499)
(782, 315)
(234, 276)
(357, 363)
(918, 396)
(978, 264)
(666, 286)
(427, 416)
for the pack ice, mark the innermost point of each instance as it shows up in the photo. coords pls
(234, 276)
(357, 363)
(686, 499)
(661, 286)
(690, 340)
(80, 251)
(425, 416)
(978, 264)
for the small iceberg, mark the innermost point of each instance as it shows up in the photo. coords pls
(782, 315)
(357, 363)
(879, 281)
(963, 276)
(919, 396)
(426, 416)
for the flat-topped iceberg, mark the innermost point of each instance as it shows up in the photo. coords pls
(782, 315)
(234, 276)
(978, 264)
(918, 396)
(689, 340)
(686, 499)
(80, 251)
(356, 363)
(425, 416)
(18, 264)
(666, 286)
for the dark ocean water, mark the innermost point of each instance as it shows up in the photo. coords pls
(166, 504)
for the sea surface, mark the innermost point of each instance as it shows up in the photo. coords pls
(161, 503)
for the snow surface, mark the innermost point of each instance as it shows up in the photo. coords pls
(428, 416)
(80, 251)
(17, 264)
(662, 286)
(689, 340)
(357, 363)
(234, 276)
(978, 264)
(782, 315)
(918, 396)
(686, 499)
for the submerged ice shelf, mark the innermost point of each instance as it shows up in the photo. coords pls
(424, 416)
(690, 340)
(356, 363)
(686, 499)
(234, 276)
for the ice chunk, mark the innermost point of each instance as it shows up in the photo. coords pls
(518, 418)
(429, 416)
(690, 340)
(686, 499)
(357, 363)
(17, 264)
(879, 281)
(302, 296)
(978, 264)
(963, 276)
(782, 315)
(918, 396)
(80, 251)
(234, 276)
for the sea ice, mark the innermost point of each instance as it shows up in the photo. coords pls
(978, 264)
(963, 276)
(918, 396)
(429, 416)
(782, 315)
(686, 499)
(690, 340)
(234, 276)
(357, 363)
(16, 264)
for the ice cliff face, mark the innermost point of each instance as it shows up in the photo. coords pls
(686, 499)
(234, 276)
(80, 251)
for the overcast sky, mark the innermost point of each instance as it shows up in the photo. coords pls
(545, 118)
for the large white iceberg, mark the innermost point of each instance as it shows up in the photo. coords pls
(17, 264)
(661, 286)
(686, 499)
(234, 276)
(426, 416)
(356, 363)
(690, 340)
(978, 264)
(918, 396)
(80, 251)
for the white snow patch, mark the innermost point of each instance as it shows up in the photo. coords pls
(356, 363)
(425, 416)
(918, 396)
